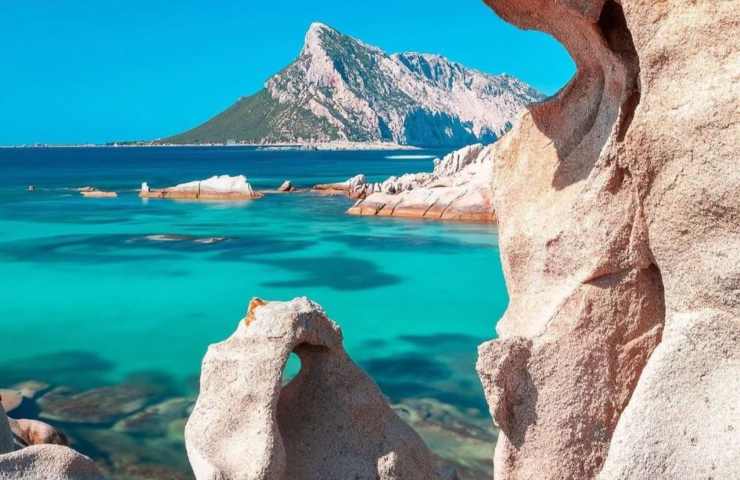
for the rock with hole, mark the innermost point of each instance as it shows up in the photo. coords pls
(330, 421)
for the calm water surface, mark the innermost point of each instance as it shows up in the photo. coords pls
(91, 295)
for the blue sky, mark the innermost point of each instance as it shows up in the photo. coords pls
(79, 71)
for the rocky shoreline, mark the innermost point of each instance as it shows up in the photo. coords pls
(458, 189)
(135, 430)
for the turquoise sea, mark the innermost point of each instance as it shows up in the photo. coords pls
(101, 291)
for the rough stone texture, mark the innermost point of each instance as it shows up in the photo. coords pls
(221, 188)
(617, 203)
(330, 422)
(459, 188)
(47, 462)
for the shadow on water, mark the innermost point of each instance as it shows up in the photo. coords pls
(404, 243)
(438, 366)
(335, 272)
(97, 249)
(75, 368)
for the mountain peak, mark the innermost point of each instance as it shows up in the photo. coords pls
(340, 88)
(315, 36)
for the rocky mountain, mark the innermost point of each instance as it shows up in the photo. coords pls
(340, 89)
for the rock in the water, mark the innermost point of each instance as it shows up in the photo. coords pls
(156, 419)
(95, 193)
(613, 224)
(47, 462)
(459, 189)
(353, 187)
(286, 186)
(100, 405)
(31, 388)
(331, 421)
(34, 432)
(461, 439)
(10, 399)
(221, 187)
(42, 462)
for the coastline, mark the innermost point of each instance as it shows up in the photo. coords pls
(330, 146)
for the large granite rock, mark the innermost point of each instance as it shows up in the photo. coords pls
(459, 188)
(221, 188)
(617, 204)
(47, 462)
(330, 422)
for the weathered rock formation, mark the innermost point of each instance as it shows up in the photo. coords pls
(221, 187)
(41, 460)
(354, 187)
(459, 188)
(619, 212)
(329, 422)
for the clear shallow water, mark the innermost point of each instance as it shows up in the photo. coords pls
(89, 296)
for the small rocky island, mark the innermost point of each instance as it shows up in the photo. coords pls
(221, 188)
(458, 189)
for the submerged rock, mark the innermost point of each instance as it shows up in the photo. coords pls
(330, 421)
(47, 462)
(34, 432)
(459, 188)
(461, 439)
(613, 226)
(156, 419)
(101, 405)
(221, 187)
(31, 388)
(10, 399)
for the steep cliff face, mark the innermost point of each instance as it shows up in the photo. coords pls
(342, 89)
(617, 203)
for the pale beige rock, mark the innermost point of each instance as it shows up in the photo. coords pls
(10, 399)
(618, 211)
(216, 188)
(47, 462)
(98, 194)
(330, 422)
(459, 188)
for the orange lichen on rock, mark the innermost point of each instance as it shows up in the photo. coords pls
(254, 304)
